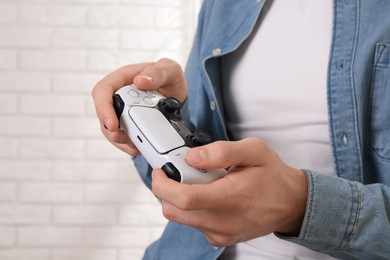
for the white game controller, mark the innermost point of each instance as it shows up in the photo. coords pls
(154, 125)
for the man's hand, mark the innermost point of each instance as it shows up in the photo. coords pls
(259, 195)
(164, 76)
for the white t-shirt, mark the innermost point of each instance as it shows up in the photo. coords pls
(275, 89)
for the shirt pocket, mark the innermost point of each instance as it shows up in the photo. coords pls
(379, 106)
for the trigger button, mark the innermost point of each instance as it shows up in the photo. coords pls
(171, 171)
(119, 105)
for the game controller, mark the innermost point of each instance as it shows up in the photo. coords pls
(154, 124)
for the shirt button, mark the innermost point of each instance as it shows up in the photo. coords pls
(217, 51)
(344, 139)
(340, 64)
(213, 105)
(259, 1)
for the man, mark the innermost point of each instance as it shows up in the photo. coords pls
(245, 88)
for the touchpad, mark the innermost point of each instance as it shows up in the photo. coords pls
(156, 129)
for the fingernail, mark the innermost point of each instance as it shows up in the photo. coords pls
(147, 78)
(106, 123)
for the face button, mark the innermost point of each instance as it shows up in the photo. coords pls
(148, 100)
(133, 93)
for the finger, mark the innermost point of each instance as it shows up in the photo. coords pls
(184, 196)
(214, 225)
(121, 140)
(166, 76)
(105, 89)
(203, 220)
(224, 154)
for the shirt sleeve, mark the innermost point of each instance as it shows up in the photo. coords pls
(345, 219)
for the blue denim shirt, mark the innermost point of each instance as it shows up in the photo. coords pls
(347, 216)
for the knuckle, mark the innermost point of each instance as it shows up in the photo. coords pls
(95, 90)
(221, 148)
(221, 241)
(256, 141)
(166, 61)
(167, 212)
(166, 64)
(257, 144)
(187, 202)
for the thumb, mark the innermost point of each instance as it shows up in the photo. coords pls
(224, 154)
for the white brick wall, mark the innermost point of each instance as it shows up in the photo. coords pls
(65, 192)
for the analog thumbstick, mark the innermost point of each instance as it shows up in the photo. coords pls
(198, 138)
(170, 107)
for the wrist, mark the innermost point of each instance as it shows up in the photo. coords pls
(296, 200)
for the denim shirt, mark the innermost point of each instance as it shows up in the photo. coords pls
(347, 216)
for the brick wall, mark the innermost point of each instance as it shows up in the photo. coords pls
(65, 192)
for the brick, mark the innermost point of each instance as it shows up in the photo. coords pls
(153, 2)
(117, 236)
(8, 14)
(53, 59)
(21, 214)
(103, 149)
(125, 254)
(25, 254)
(25, 126)
(9, 104)
(156, 232)
(152, 40)
(53, 14)
(8, 191)
(84, 254)
(178, 56)
(52, 104)
(66, 191)
(25, 81)
(7, 236)
(85, 38)
(75, 82)
(127, 171)
(85, 1)
(170, 18)
(52, 148)
(9, 147)
(90, 110)
(122, 16)
(76, 127)
(51, 192)
(85, 171)
(8, 58)
(142, 215)
(14, 36)
(49, 236)
(107, 61)
(25, 170)
(84, 215)
(118, 193)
